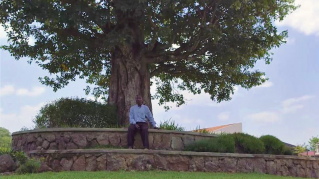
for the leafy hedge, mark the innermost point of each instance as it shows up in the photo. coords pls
(241, 143)
(75, 112)
(223, 144)
(274, 146)
(30, 166)
(245, 143)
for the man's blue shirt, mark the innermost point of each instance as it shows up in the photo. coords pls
(138, 114)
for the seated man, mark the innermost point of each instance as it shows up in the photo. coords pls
(138, 113)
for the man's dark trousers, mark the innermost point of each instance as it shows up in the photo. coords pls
(144, 134)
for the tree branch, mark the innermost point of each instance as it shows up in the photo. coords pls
(151, 45)
(172, 68)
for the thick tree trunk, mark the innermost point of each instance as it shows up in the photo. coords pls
(129, 77)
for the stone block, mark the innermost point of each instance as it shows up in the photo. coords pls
(66, 164)
(271, 167)
(90, 163)
(79, 164)
(160, 162)
(188, 139)
(212, 164)
(114, 163)
(102, 139)
(101, 162)
(6, 163)
(228, 164)
(197, 164)
(177, 143)
(71, 145)
(49, 137)
(177, 163)
(79, 139)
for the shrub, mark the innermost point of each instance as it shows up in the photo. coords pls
(26, 129)
(273, 145)
(19, 156)
(30, 166)
(170, 125)
(222, 143)
(5, 139)
(16, 156)
(245, 143)
(5, 150)
(74, 112)
(288, 151)
(300, 149)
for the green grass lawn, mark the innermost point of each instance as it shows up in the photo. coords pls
(142, 175)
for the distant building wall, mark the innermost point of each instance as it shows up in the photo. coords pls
(317, 149)
(230, 129)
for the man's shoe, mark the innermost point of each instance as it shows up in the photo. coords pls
(130, 147)
(146, 149)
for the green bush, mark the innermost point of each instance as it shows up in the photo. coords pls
(288, 151)
(5, 139)
(19, 156)
(30, 166)
(170, 125)
(245, 143)
(16, 155)
(74, 112)
(273, 145)
(5, 150)
(222, 144)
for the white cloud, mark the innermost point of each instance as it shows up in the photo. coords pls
(31, 40)
(7, 90)
(223, 116)
(36, 91)
(3, 34)
(267, 84)
(185, 122)
(92, 98)
(293, 104)
(15, 121)
(264, 117)
(305, 18)
(291, 41)
(288, 106)
(10, 89)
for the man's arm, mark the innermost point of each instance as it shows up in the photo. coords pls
(132, 120)
(150, 116)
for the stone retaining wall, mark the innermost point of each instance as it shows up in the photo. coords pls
(126, 159)
(81, 138)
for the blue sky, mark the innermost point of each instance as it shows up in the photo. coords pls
(285, 106)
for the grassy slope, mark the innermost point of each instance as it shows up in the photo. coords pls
(142, 175)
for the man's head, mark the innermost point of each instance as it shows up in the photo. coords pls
(139, 100)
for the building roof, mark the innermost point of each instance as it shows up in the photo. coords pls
(289, 145)
(212, 129)
(308, 153)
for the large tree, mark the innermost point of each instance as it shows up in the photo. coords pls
(119, 45)
(313, 142)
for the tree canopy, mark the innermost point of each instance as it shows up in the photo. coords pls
(313, 142)
(194, 45)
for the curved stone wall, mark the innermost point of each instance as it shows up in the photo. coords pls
(126, 159)
(82, 138)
